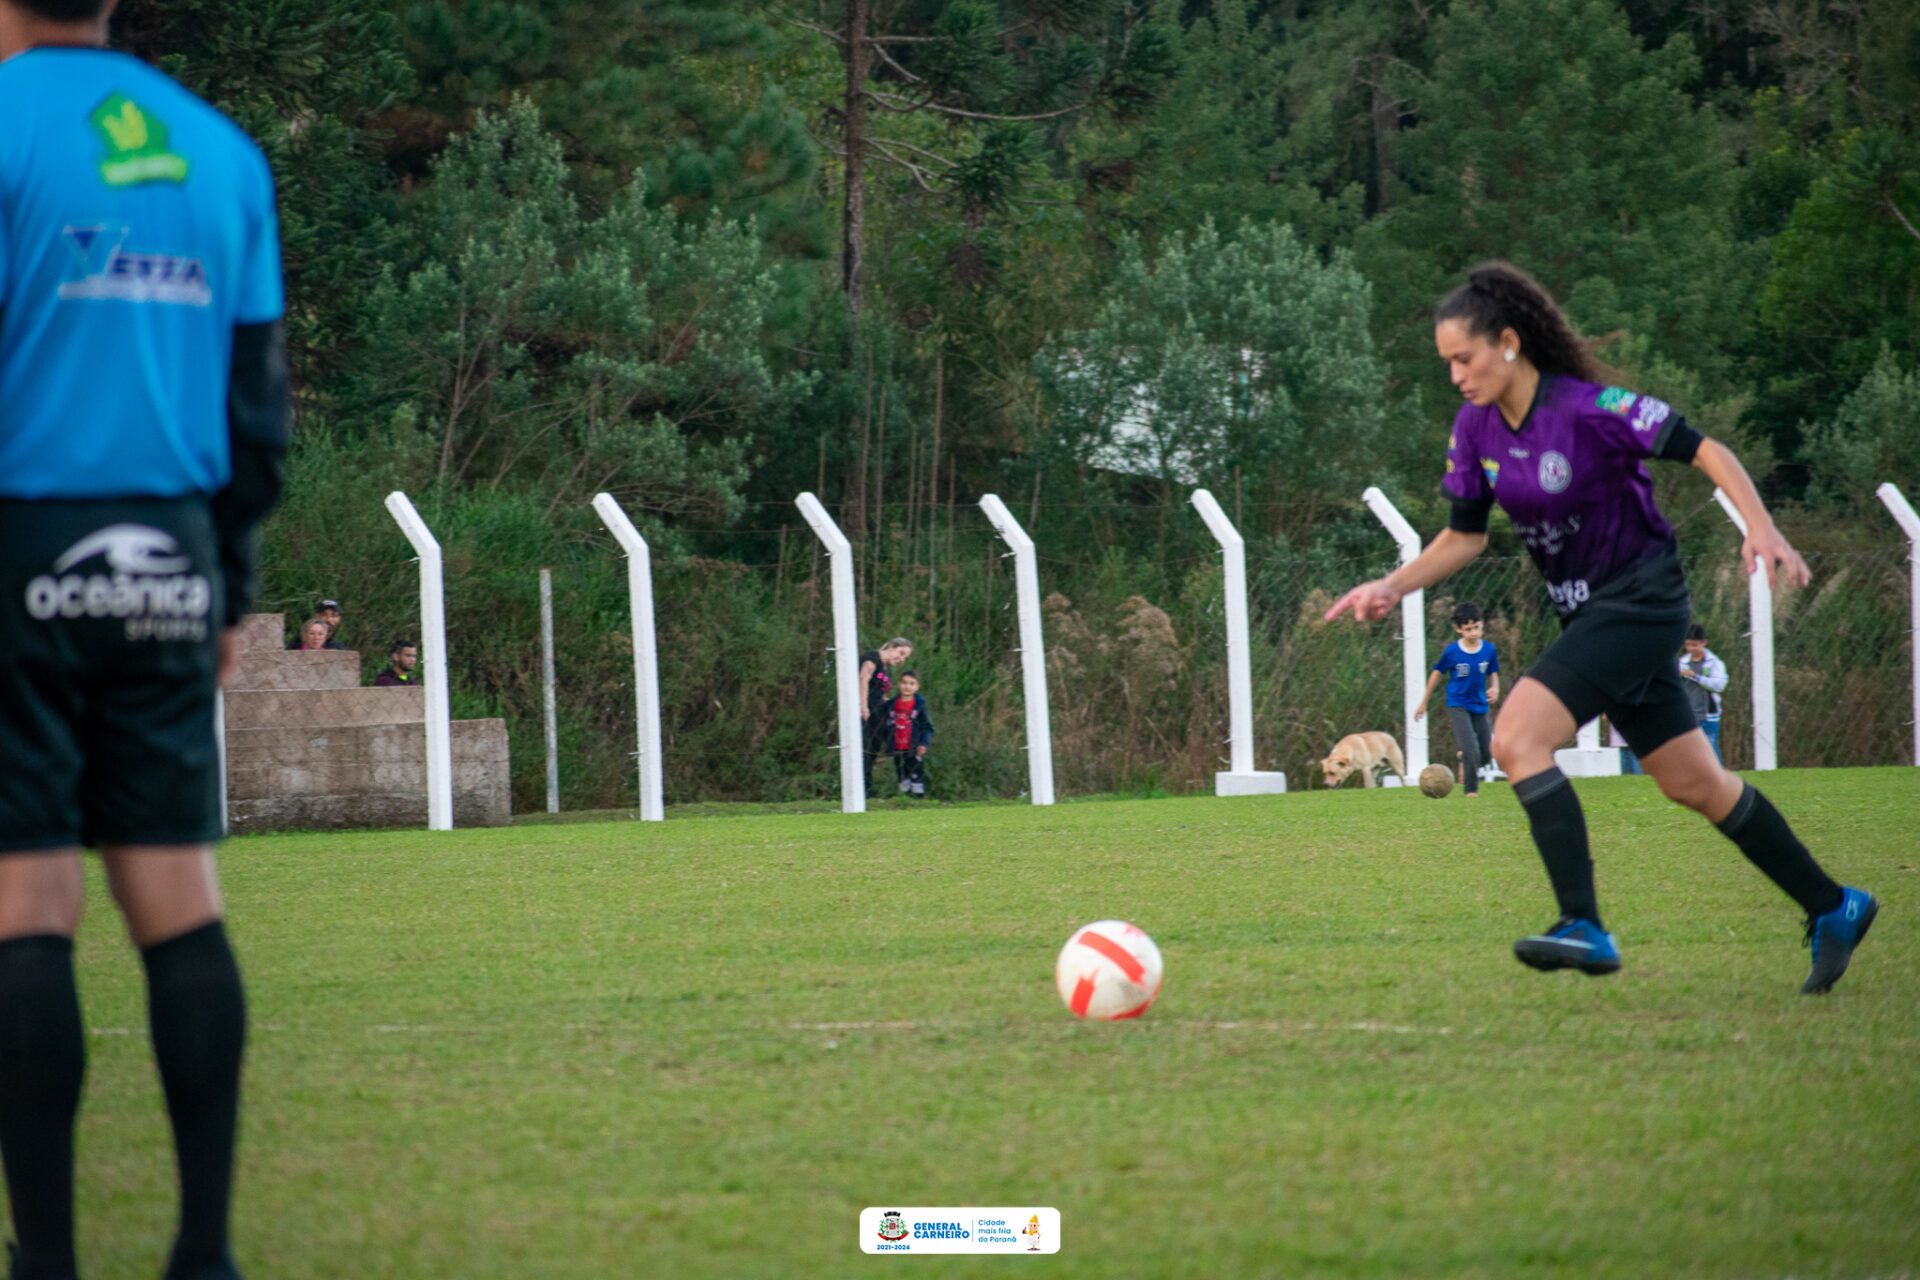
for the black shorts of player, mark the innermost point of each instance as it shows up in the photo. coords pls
(1619, 654)
(109, 645)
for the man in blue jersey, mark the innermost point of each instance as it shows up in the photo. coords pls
(143, 419)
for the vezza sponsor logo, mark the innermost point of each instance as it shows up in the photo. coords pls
(1615, 400)
(149, 585)
(107, 271)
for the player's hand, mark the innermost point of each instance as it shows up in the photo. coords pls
(1419, 713)
(923, 753)
(1770, 549)
(1370, 601)
(1493, 695)
(865, 713)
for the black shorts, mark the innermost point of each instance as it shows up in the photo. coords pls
(1619, 655)
(109, 645)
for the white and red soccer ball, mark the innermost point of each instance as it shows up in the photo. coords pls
(1108, 970)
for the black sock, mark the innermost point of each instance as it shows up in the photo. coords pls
(43, 1058)
(1560, 833)
(198, 1016)
(1769, 843)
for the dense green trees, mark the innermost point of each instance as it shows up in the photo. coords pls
(1242, 362)
(1096, 250)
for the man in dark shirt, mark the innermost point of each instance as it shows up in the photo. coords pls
(400, 664)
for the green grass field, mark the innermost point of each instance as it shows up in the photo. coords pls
(698, 1049)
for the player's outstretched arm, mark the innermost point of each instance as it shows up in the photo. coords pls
(1433, 680)
(1764, 544)
(1446, 555)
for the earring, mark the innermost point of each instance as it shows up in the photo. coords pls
(1508, 356)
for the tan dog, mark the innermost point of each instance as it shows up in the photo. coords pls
(1365, 754)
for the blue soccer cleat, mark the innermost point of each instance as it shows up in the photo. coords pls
(1833, 937)
(1573, 943)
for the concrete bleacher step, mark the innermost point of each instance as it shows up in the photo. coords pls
(292, 777)
(297, 669)
(309, 748)
(323, 708)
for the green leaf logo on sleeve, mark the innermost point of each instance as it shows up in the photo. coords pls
(136, 142)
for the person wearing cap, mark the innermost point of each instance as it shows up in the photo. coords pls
(329, 613)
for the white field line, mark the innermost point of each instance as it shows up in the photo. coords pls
(1379, 1028)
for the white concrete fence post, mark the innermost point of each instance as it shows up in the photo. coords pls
(846, 654)
(549, 711)
(1413, 624)
(646, 660)
(1760, 612)
(1242, 779)
(220, 748)
(1033, 649)
(433, 661)
(1903, 514)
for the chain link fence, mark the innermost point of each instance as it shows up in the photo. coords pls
(1842, 646)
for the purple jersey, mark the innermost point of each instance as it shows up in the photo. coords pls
(1573, 479)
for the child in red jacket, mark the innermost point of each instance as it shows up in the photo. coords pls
(909, 732)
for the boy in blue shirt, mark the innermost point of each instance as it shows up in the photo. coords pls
(1471, 669)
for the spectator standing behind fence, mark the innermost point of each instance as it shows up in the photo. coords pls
(909, 734)
(313, 635)
(1471, 667)
(401, 661)
(876, 690)
(329, 613)
(1706, 678)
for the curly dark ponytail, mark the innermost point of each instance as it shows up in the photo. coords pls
(1499, 295)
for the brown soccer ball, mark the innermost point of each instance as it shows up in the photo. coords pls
(1436, 780)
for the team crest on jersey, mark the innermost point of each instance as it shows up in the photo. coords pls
(1492, 469)
(136, 142)
(1616, 400)
(1556, 473)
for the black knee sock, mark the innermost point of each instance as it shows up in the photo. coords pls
(43, 1057)
(1560, 832)
(197, 1013)
(1769, 843)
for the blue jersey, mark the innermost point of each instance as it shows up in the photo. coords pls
(1467, 674)
(137, 229)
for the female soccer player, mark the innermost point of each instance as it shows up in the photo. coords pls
(1564, 456)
